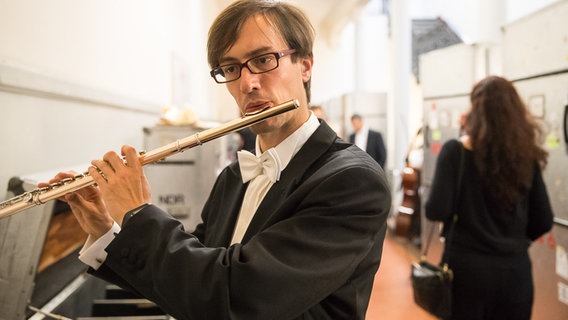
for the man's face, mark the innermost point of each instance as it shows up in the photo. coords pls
(357, 124)
(256, 91)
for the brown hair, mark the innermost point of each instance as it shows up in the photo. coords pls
(290, 21)
(505, 139)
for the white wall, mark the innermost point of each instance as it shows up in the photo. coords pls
(119, 46)
(78, 78)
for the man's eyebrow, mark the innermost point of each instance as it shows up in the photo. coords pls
(248, 55)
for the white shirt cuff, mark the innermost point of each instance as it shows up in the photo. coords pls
(93, 252)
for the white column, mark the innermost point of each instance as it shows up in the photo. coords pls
(401, 68)
(491, 16)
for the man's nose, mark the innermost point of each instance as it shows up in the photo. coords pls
(249, 81)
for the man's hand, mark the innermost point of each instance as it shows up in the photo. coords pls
(87, 207)
(122, 185)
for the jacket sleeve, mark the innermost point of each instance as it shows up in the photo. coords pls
(540, 217)
(441, 197)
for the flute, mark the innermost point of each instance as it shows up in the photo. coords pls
(40, 196)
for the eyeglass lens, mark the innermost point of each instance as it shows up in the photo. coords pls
(264, 63)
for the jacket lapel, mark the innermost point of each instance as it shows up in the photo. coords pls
(220, 231)
(318, 143)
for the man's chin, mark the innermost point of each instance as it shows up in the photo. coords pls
(258, 128)
(261, 127)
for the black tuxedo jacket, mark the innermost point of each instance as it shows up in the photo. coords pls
(310, 252)
(375, 146)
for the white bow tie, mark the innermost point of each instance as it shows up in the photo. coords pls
(251, 166)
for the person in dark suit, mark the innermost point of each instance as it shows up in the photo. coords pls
(300, 240)
(368, 140)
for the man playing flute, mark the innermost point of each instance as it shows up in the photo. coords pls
(294, 231)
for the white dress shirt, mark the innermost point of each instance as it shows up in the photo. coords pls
(361, 138)
(259, 186)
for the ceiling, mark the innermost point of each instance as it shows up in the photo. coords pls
(329, 17)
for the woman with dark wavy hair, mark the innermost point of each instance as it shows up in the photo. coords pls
(503, 204)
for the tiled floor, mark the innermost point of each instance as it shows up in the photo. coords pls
(392, 293)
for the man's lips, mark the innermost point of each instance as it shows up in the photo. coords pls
(257, 107)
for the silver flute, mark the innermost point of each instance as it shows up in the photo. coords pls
(40, 196)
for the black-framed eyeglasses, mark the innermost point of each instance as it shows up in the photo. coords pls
(259, 64)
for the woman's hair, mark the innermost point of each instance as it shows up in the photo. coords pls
(505, 139)
(291, 22)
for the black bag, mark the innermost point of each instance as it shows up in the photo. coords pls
(432, 286)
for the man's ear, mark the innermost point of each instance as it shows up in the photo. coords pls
(307, 64)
